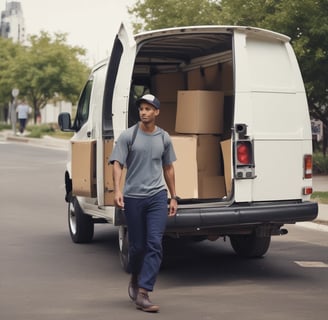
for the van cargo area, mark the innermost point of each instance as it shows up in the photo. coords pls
(192, 76)
(234, 103)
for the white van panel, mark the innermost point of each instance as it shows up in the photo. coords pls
(265, 64)
(123, 81)
(271, 68)
(270, 100)
(98, 94)
(283, 116)
(279, 170)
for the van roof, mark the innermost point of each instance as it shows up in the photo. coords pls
(210, 29)
(166, 43)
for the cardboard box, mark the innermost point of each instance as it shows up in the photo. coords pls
(167, 117)
(108, 174)
(211, 187)
(209, 155)
(208, 78)
(199, 112)
(227, 77)
(84, 168)
(196, 79)
(186, 176)
(197, 166)
(166, 85)
(227, 161)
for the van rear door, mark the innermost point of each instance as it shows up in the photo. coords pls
(115, 107)
(270, 101)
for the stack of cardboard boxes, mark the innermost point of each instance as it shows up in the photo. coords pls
(194, 119)
(199, 120)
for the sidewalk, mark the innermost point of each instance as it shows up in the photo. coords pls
(320, 183)
(46, 141)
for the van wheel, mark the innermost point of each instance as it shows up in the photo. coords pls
(249, 245)
(123, 241)
(80, 224)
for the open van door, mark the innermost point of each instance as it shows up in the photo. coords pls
(115, 106)
(108, 86)
(271, 105)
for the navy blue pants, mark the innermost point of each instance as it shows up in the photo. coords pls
(146, 221)
(22, 125)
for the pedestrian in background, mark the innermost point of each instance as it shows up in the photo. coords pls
(147, 152)
(23, 110)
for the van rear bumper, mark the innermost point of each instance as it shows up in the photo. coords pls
(237, 215)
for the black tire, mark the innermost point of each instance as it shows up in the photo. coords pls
(80, 225)
(123, 240)
(249, 245)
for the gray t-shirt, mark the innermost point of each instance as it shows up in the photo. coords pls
(144, 161)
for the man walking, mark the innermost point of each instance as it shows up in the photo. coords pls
(148, 154)
(23, 109)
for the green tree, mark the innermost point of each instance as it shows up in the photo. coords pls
(154, 14)
(8, 54)
(45, 68)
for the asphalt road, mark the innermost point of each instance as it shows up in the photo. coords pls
(43, 275)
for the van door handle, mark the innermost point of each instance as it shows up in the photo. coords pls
(89, 134)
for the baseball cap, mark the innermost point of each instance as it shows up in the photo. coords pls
(149, 98)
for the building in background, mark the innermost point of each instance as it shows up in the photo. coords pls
(12, 25)
(49, 114)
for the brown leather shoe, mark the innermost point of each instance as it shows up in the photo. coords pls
(143, 303)
(133, 288)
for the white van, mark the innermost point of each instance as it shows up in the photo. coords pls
(233, 100)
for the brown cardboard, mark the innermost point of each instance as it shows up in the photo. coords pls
(166, 85)
(196, 79)
(108, 174)
(186, 178)
(227, 77)
(211, 187)
(199, 112)
(208, 78)
(212, 77)
(167, 116)
(84, 168)
(226, 152)
(209, 155)
(197, 166)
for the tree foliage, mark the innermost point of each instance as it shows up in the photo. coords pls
(154, 14)
(8, 53)
(46, 68)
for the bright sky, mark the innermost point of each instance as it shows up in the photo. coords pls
(89, 23)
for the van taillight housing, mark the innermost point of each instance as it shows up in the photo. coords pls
(244, 159)
(308, 166)
(244, 153)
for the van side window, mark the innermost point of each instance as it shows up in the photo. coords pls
(84, 106)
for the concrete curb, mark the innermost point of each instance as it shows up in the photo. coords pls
(45, 141)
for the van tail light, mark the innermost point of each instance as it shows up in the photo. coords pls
(244, 153)
(244, 160)
(308, 166)
(307, 191)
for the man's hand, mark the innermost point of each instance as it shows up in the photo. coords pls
(118, 199)
(173, 207)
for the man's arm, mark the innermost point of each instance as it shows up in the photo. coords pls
(169, 177)
(117, 175)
